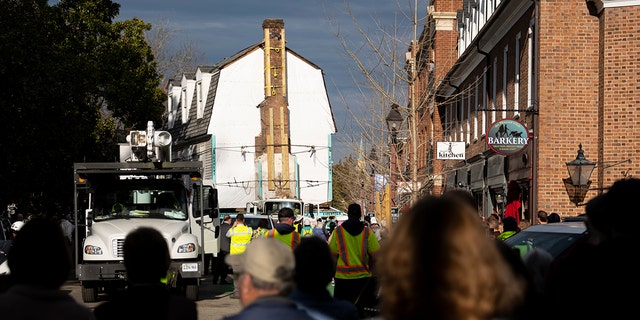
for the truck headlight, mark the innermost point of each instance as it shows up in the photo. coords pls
(187, 247)
(92, 250)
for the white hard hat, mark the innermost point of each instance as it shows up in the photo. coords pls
(374, 220)
(16, 226)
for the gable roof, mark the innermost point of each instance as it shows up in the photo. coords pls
(195, 130)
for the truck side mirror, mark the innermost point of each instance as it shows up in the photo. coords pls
(213, 203)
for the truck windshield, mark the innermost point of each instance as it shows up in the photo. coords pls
(272, 207)
(132, 200)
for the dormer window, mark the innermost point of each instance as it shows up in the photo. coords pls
(200, 100)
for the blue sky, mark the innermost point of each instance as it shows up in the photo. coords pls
(223, 27)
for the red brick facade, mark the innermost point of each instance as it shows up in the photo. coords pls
(576, 81)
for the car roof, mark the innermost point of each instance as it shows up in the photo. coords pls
(559, 227)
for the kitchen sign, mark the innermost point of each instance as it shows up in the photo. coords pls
(507, 137)
(450, 150)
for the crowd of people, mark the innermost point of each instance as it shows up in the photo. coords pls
(439, 261)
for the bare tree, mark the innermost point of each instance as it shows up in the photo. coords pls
(173, 56)
(384, 70)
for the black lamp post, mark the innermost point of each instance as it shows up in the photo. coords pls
(580, 170)
(394, 121)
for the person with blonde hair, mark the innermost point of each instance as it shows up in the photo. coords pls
(439, 264)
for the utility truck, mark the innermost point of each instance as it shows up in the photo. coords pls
(144, 189)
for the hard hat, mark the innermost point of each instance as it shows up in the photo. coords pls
(16, 226)
(374, 220)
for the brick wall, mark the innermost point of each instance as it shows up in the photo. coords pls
(620, 104)
(568, 95)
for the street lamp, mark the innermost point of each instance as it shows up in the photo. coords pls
(394, 121)
(580, 169)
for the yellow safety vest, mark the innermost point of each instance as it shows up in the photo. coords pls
(291, 240)
(353, 252)
(240, 236)
(307, 231)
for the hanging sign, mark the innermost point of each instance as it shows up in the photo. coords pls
(507, 137)
(451, 150)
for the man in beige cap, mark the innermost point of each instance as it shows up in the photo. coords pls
(265, 279)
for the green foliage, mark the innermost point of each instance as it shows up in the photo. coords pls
(70, 77)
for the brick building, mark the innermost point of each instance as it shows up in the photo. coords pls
(565, 70)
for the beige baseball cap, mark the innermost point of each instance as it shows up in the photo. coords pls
(267, 259)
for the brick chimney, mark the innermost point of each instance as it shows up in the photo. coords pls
(274, 109)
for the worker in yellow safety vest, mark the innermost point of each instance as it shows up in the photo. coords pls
(306, 231)
(355, 246)
(240, 236)
(284, 229)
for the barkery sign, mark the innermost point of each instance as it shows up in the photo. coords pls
(507, 137)
(450, 150)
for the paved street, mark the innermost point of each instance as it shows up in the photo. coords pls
(214, 302)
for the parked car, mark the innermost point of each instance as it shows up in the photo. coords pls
(252, 220)
(555, 238)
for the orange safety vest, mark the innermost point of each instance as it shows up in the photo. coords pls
(353, 252)
(291, 240)
(240, 237)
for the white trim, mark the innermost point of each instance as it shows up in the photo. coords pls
(505, 80)
(475, 118)
(494, 88)
(619, 3)
(516, 81)
(484, 102)
(468, 122)
(530, 65)
(199, 100)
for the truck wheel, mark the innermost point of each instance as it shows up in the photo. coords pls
(191, 291)
(89, 293)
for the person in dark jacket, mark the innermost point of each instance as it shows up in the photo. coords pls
(318, 230)
(220, 268)
(39, 264)
(265, 272)
(146, 258)
(314, 271)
